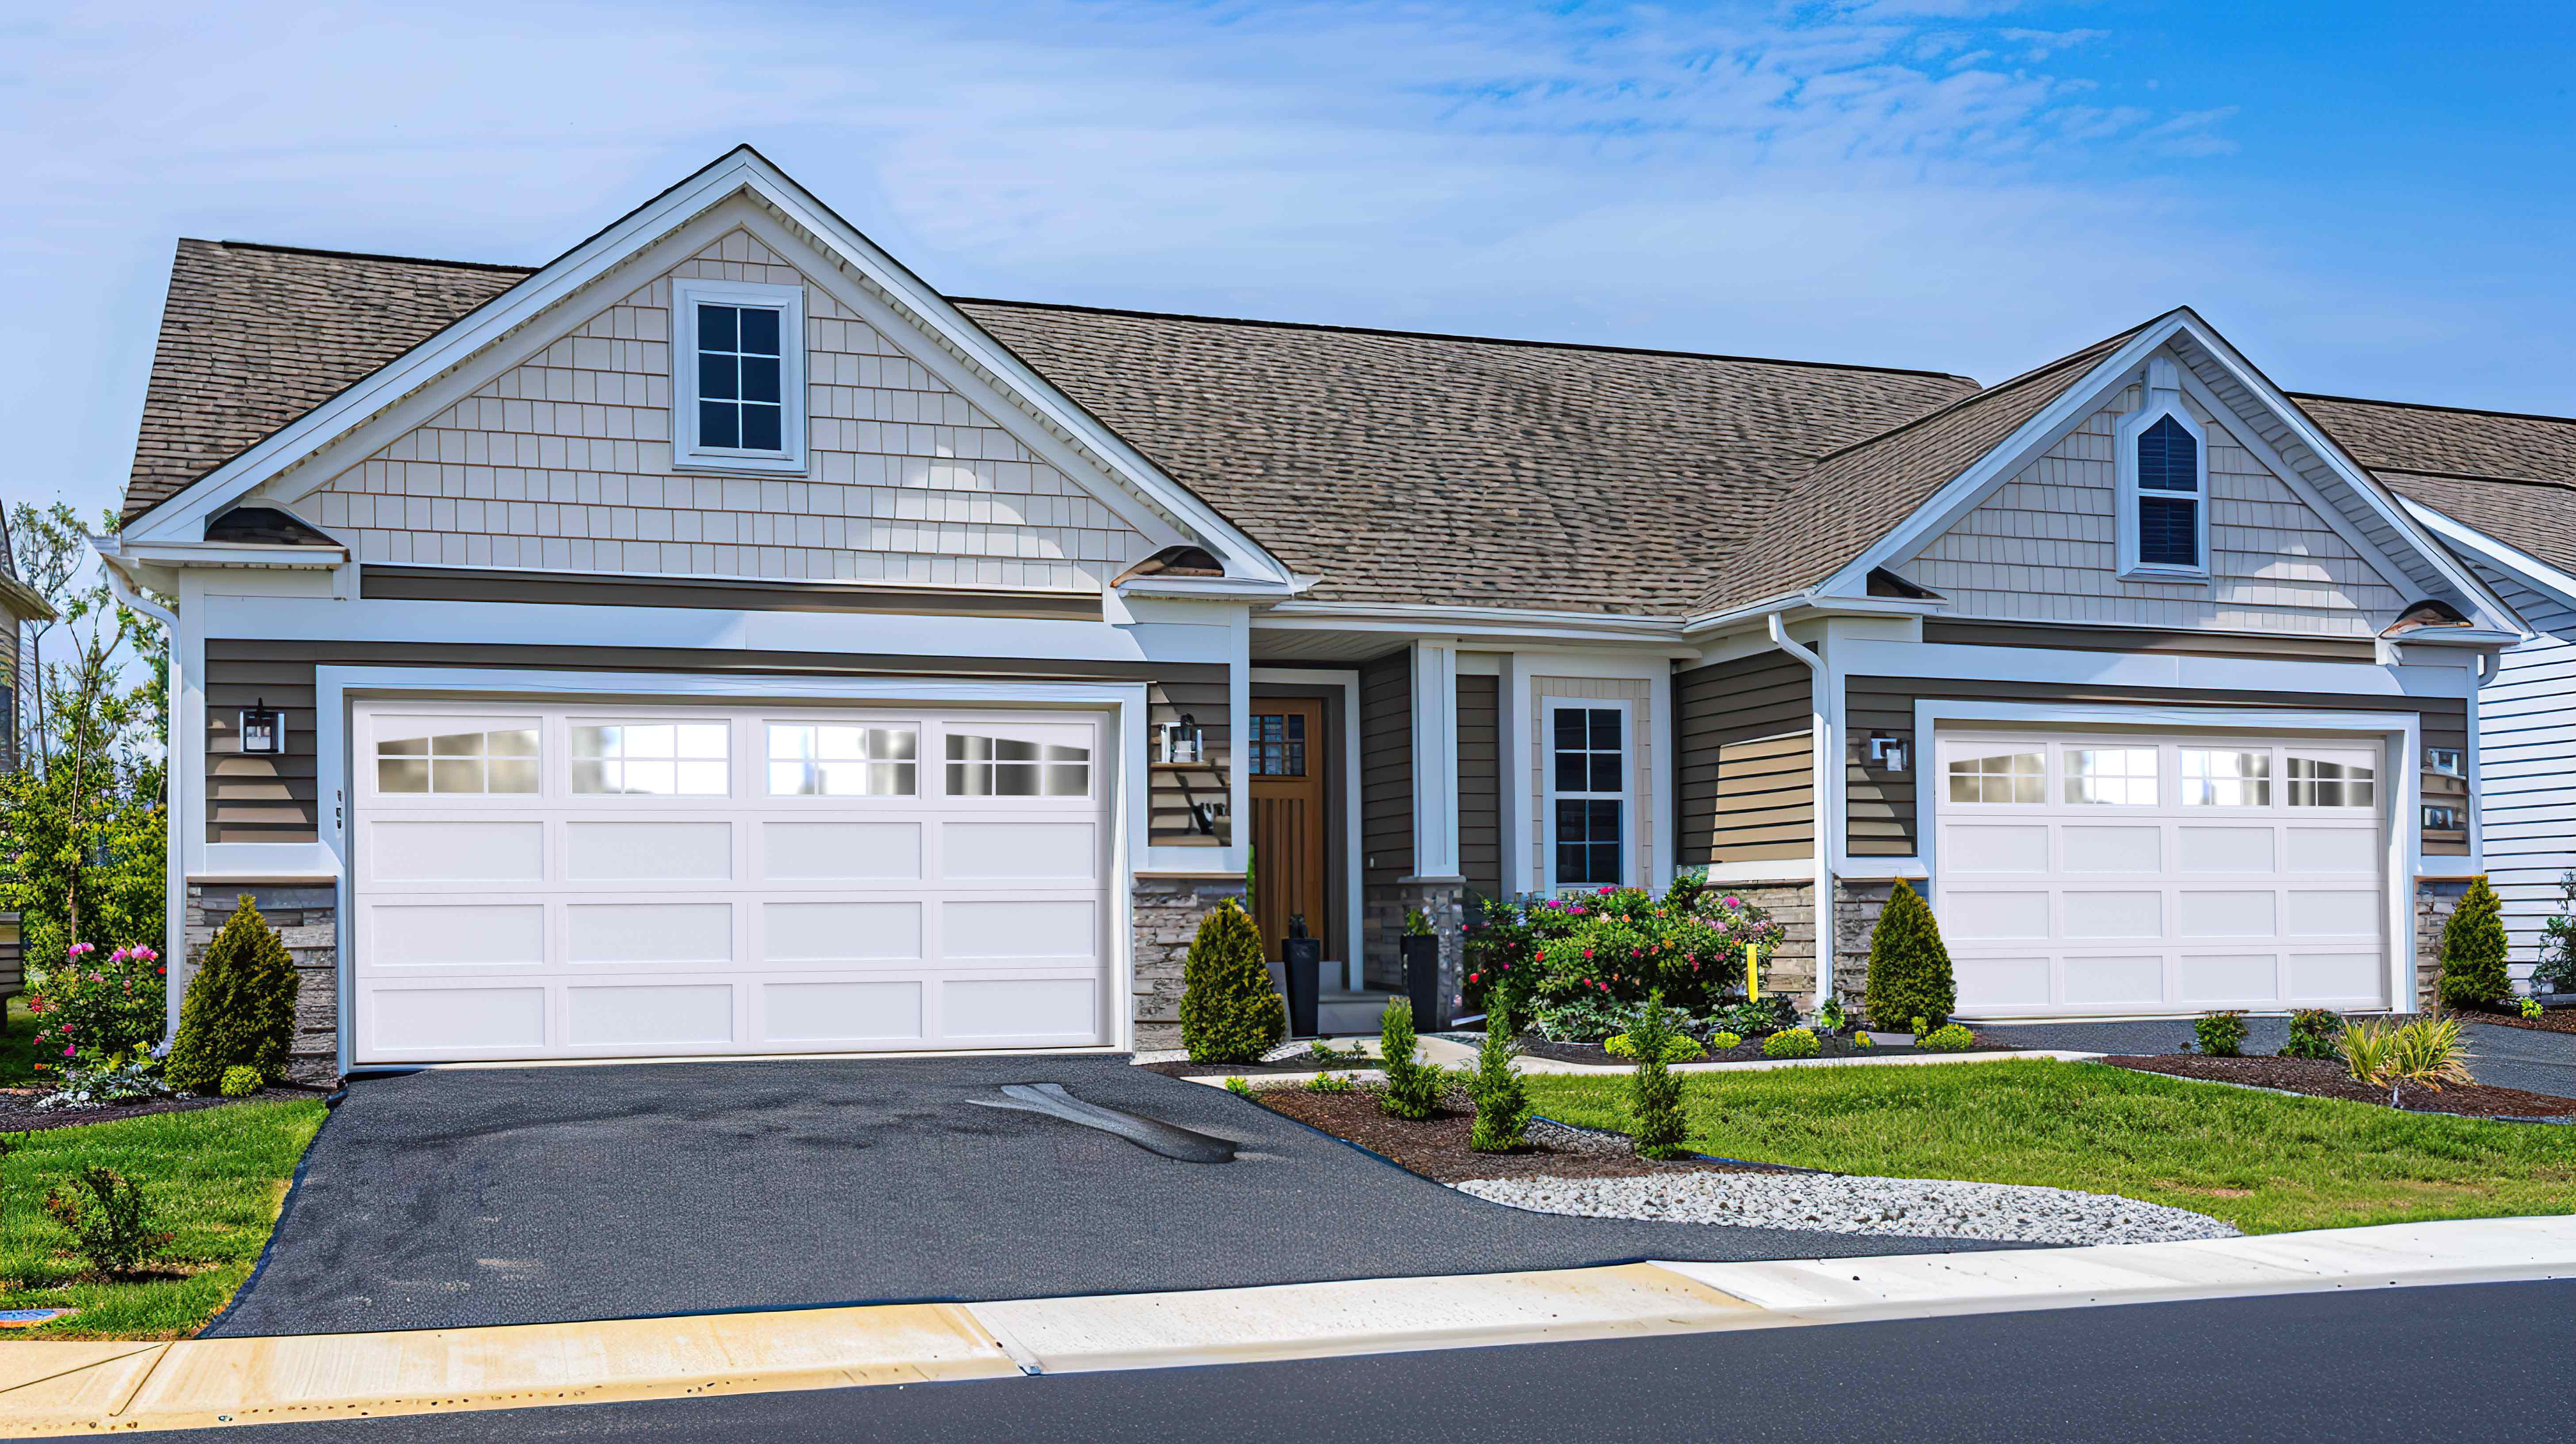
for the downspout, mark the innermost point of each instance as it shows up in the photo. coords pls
(1820, 742)
(174, 946)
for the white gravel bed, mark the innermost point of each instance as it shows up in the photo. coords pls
(1830, 1203)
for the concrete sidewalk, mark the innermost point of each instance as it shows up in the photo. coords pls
(83, 1388)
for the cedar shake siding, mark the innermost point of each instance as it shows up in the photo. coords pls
(1880, 806)
(1745, 771)
(1386, 810)
(1480, 785)
(274, 799)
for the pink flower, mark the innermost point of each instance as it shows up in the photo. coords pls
(69, 1051)
(76, 949)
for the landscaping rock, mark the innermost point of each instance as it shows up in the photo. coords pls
(1911, 1207)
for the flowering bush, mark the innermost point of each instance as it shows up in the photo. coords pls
(91, 1011)
(1618, 945)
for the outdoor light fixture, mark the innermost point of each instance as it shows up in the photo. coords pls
(2443, 762)
(1181, 740)
(1887, 752)
(263, 729)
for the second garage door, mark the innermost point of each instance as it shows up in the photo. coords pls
(2113, 874)
(582, 881)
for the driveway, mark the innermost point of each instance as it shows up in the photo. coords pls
(495, 1196)
(2524, 1058)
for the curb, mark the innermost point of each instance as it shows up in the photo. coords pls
(55, 1388)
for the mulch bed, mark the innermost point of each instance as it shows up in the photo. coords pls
(2551, 1020)
(2320, 1079)
(19, 1113)
(1829, 1045)
(1437, 1147)
(1292, 1065)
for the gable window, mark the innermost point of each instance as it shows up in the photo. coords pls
(2164, 483)
(737, 376)
(1587, 794)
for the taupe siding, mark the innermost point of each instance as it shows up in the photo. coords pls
(1386, 811)
(476, 584)
(1744, 748)
(2125, 639)
(1480, 784)
(273, 799)
(1204, 701)
(1880, 806)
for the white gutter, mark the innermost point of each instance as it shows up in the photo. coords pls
(174, 865)
(1822, 742)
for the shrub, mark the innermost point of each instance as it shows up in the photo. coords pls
(109, 1219)
(1682, 1049)
(1579, 1020)
(1502, 1100)
(2532, 1012)
(1618, 945)
(1330, 1083)
(1948, 1038)
(2557, 970)
(1909, 969)
(1229, 1011)
(1417, 924)
(1861, 1040)
(241, 1081)
(1412, 1086)
(1830, 1018)
(1791, 1043)
(2220, 1034)
(97, 1010)
(1770, 1015)
(2473, 950)
(2425, 1052)
(240, 1007)
(126, 1080)
(1722, 1040)
(1236, 1084)
(2312, 1034)
(1655, 1122)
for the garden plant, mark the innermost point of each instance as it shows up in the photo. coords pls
(2220, 1034)
(1655, 1121)
(1573, 967)
(2426, 1052)
(2473, 950)
(1909, 968)
(1412, 1086)
(94, 1012)
(1502, 1099)
(109, 1220)
(240, 1007)
(2557, 970)
(2312, 1035)
(1229, 1011)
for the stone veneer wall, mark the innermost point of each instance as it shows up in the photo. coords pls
(1168, 908)
(307, 920)
(2435, 900)
(1791, 967)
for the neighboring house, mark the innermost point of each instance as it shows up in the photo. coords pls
(2501, 489)
(718, 641)
(20, 605)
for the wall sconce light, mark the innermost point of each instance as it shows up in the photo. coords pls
(1887, 752)
(1181, 740)
(2444, 762)
(263, 730)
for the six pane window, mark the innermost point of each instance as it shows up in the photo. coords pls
(832, 759)
(2118, 776)
(1008, 767)
(1587, 842)
(502, 760)
(2017, 777)
(1279, 745)
(2213, 777)
(1589, 770)
(656, 759)
(738, 374)
(2333, 779)
(2168, 496)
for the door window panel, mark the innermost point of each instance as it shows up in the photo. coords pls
(2111, 776)
(1279, 745)
(833, 759)
(502, 760)
(650, 759)
(1008, 767)
(2225, 777)
(2008, 777)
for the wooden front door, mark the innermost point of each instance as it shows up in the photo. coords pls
(1285, 748)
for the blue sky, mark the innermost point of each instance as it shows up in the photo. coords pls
(2368, 198)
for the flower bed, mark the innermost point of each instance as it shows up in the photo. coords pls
(1436, 1147)
(2318, 1079)
(1604, 952)
(1829, 1045)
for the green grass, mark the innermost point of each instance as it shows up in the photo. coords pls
(215, 1177)
(18, 1046)
(2262, 1162)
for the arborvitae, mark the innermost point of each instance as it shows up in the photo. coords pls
(1655, 1122)
(1412, 1086)
(1909, 969)
(1229, 1011)
(1502, 1100)
(240, 1008)
(2473, 950)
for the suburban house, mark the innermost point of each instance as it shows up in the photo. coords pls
(716, 640)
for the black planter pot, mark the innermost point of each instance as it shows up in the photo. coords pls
(1422, 983)
(1303, 959)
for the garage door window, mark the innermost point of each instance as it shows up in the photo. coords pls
(459, 762)
(1999, 777)
(2215, 777)
(828, 760)
(2111, 776)
(2333, 779)
(1009, 767)
(651, 759)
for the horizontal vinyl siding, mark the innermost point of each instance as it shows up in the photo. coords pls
(2527, 769)
(1386, 770)
(1745, 777)
(1880, 806)
(1480, 784)
(275, 799)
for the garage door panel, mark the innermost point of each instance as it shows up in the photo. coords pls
(2227, 849)
(2317, 913)
(2214, 913)
(1996, 848)
(2094, 849)
(2231, 977)
(2107, 914)
(869, 910)
(1981, 916)
(2335, 849)
(2323, 979)
(2124, 979)
(2004, 981)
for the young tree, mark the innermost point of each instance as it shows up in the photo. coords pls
(2473, 950)
(1909, 967)
(1229, 1011)
(240, 1008)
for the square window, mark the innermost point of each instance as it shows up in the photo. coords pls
(651, 759)
(739, 369)
(2225, 777)
(2333, 779)
(2002, 777)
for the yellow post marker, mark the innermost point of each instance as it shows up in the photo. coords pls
(1753, 971)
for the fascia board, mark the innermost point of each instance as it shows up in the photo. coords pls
(2007, 458)
(1204, 588)
(1419, 616)
(2389, 572)
(2559, 586)
(237, 554)
(1812, 604)
(2343, 464)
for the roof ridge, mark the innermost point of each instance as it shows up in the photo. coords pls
(2432, 406)
(2473, 476)
(2033, 374)
(231, 244)
(1454, 336)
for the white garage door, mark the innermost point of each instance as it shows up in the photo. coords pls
(2143, 874)
(553, 881)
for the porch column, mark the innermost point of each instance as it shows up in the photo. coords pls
(1436, 886)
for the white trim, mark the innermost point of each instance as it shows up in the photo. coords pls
(2162, 398)
(2244, 437)
(334, 686)
(1627, 795)
(2399, 731)
(687, 452)
(1875, 658)
(1354, 876)
(1435, 758)
(2559, 586)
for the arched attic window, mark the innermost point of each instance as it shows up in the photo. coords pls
(1175, 561)
(2163, 458)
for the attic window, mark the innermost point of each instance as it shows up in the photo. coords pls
(2164, 484)
(738, 376)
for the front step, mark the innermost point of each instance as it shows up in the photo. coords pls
(1341, 1012)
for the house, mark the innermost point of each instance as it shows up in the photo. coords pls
(716, 640)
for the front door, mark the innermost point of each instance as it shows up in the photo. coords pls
(1287, 757)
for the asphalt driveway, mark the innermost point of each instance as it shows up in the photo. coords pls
(468, 1197)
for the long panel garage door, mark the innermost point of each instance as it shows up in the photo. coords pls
(2144, 874)
(585, 881)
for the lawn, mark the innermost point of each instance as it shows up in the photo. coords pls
(2262, 1162)
(18, 1046)
(215, 1177)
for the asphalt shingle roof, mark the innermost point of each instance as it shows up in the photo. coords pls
(2510, 475)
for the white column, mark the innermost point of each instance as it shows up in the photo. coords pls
(1435, 758)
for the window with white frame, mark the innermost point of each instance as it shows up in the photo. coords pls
(2111, 776)
(650, 759)
(738, 376)
(1587, 794)
(833, 759)
(2163, 465)
(2333, 778)
(2226, 777)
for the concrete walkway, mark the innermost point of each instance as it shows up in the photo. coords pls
(62, 1388)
